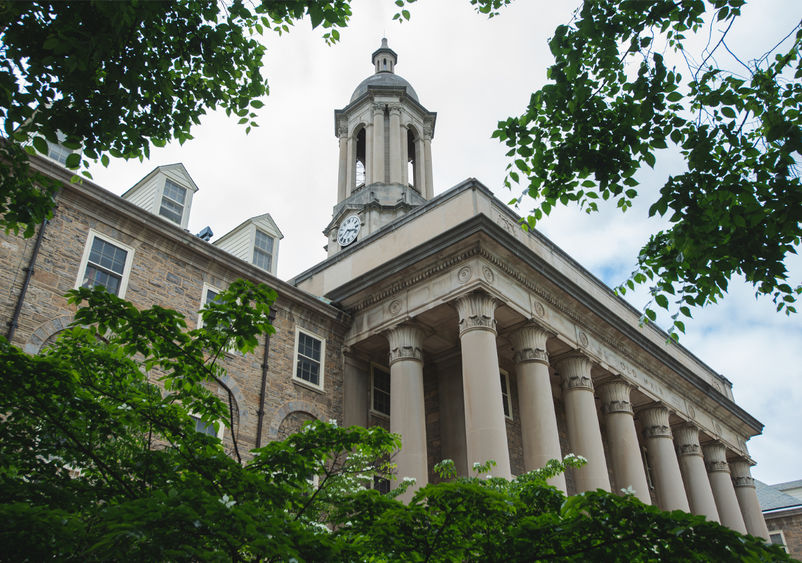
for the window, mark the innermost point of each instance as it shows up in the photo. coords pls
(380, 484)
(505, 393)
(208, 295)
(380, 390)
(105, 263)
(263, 251)
(207, 429)
(309, 354)
(776, 537)
(57, 152)
(173, 200)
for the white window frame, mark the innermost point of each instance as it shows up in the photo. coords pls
(163, 195)
(254, 249)
(373, 368)
(506, 376)
(784, 545)
(206, 288)
(221, 428)
(129, 259)
(301, 381)
(59, 150)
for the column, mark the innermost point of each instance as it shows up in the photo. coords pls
(395, 145)
(723, 491)
(539, 434)
(407, 412)
(622, 439)
(356, 391)
(584, 435)
(694, 474)
(378, 143)
(427, 151)
(660, 452)
(485, 426)
(343, 169)
(368, 154)
(747, 499)
(420, 167)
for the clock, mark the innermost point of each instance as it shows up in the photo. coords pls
(348, 230)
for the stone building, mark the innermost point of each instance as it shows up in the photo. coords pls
(435, 316)
(782, 510)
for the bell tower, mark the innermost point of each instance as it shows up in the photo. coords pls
(385, 164)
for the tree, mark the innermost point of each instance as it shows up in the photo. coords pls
(111, 78)
(614, 100)
(100, 460)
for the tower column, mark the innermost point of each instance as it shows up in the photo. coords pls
(747, 499)
(694, 475)
(539, 434)
(485, 426)
(378, 143)
(663, 459)
(345, 150)
(723, 491)
(622, 439)
(427, 151)
(584, 435)
(420, 168)
(407, 412)
(395, 145)
(368, 154)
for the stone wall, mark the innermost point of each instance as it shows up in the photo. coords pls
(170, 269)
(791, 527)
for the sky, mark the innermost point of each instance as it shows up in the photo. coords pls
(474, 72)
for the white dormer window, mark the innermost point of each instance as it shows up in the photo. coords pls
(173, 199)
(58, 152)
(263, 251)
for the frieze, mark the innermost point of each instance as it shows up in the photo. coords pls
(464, 274)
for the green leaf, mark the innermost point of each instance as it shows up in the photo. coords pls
(40, 145)
(661, 300)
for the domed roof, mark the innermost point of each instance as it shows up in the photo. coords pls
(387, 79)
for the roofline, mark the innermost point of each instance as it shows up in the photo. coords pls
(482, 223)
(104, 197)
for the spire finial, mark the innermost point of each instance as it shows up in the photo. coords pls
(384, 58)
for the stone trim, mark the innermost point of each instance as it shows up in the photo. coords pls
(44, 331)
(574, 372)
(290, 407)
(654, 421)
(406, 343)
(476, 312)
(615, 397)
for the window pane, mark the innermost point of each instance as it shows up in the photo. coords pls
(202, 427)
(211, 295)
(107, 256)
(264, 242)
(308, 370)
(171, 210)
(95, 277)
(309, 346)
(174, 192)
(261, 259)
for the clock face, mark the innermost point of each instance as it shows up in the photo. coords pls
(348, 230)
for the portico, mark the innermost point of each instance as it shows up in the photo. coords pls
(501, 347)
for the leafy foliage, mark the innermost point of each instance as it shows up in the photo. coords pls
(112, 78)
(613, 102)
(100, 460)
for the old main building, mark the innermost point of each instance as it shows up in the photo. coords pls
(438, 317)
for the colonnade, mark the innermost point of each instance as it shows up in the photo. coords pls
(685, 475)
(387, 152)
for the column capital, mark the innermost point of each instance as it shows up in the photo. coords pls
(715, 457)
(476, 312)
(615, 396)
(428, 132)
(529, 343)
(574, 371)
(342, 131)
(378, 107)
(686, 437)
(741, 474)
(406, 343)
(395, 109)
(654, 421)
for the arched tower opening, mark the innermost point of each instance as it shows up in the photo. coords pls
(360, 168)
(412, 159)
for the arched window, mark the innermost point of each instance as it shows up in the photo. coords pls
(359, 165)
(412, 162)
